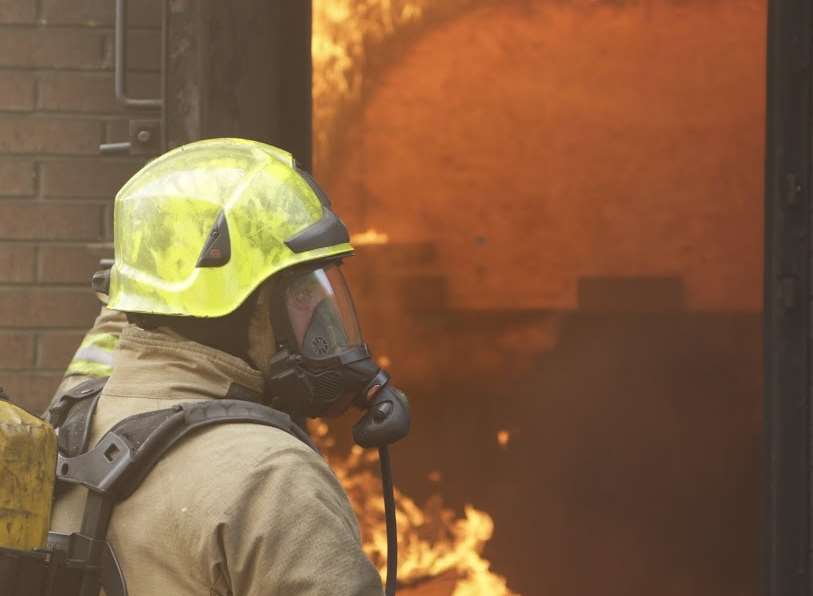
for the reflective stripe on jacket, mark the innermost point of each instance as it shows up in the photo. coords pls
(94, 358)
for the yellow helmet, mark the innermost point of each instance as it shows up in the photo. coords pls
(198, 229)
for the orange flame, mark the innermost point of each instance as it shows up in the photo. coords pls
(432, 542)
(345, 34)
(503, 438)
(368, 237)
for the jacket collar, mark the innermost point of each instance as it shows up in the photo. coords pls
(160, 364)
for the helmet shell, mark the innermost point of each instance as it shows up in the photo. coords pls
(165, 214)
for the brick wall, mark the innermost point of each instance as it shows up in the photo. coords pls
(56, 190)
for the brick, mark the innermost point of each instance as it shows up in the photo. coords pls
(17, 177)
(24, 134)
(31, 390)
(86, 178)
(89, 91)
(16, 350)
(54, 48)
(144, 50)
(17, 263)
(107, 223)
(116, 131)
(67, 264)
(47, 307)
(16, 90)
(18, 11)
(94, 13)
(55, 349)
(23, 220)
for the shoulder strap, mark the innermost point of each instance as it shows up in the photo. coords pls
(127, 453)
(123, 458)
(92, 561)
(72, 413)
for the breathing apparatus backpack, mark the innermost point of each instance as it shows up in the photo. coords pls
(36, 462)
(27, 465)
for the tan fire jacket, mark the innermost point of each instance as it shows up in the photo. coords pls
(237, 509)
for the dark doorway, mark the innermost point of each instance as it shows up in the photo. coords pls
(787, 301)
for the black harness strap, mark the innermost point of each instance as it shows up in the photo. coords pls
(76, 402)
(38, 573)
(122, 459)
(87, 552)
(127, 453)
(71, 415)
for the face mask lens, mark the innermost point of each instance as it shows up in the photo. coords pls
(321, 312)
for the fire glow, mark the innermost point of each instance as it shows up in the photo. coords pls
(437, 549)
(433, 542)
(369, 237)
(503, 438)
(344, 31)
(581, 173)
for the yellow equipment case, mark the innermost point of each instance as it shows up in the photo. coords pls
(27, 466)
(31, 563)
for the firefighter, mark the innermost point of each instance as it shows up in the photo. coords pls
(228, 270)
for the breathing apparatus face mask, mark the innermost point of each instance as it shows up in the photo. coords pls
(321, 313)
(321, 365)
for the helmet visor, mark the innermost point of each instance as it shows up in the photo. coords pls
(321, 312)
